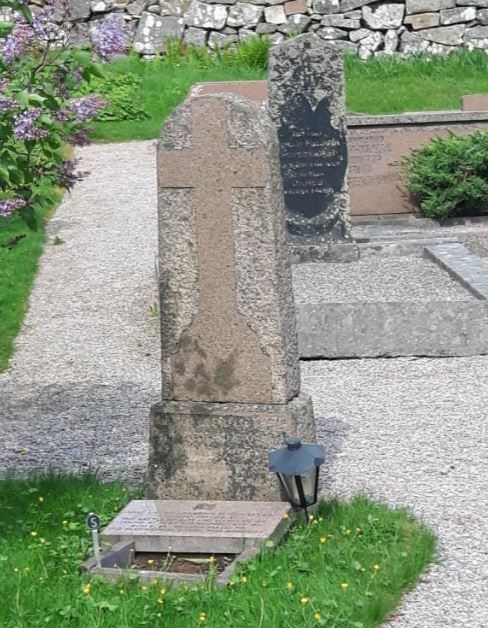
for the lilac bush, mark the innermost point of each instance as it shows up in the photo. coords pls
(39, 72)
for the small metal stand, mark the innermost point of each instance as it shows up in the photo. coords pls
(93, 524)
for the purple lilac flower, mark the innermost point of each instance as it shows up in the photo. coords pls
(7, 103)
(66, 176)
(111, 38)
(44, 23)
(80, 137)
(25, 125)
(8, 207)
(17, 42)
(4, 84)
(87, 107)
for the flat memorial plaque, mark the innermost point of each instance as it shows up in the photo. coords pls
(197, 526)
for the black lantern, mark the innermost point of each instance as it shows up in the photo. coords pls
(297, 466)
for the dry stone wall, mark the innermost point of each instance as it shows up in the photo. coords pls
(365, 27)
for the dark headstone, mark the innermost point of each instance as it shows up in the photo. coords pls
(306, 101)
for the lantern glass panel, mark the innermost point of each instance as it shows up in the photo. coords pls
(309, 489)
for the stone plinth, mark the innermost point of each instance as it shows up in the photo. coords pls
(306, 102)
(219, 451)
(197, 526)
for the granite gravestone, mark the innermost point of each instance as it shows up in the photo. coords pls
(230, 374)
(306, 102)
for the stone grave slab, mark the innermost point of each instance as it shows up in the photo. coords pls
(198, 526)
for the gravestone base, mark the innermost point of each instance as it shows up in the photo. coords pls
(219, 451)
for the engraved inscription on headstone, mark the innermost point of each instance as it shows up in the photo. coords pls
(313, 156)
(306, 103)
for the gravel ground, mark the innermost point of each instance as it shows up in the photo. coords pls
(414, 432)
(376, 279)
(86, 366)
(86, 370)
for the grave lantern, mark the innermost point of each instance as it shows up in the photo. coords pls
(297, 467)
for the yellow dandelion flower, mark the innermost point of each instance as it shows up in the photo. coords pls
(33, 534)
(323, 539)
(150, 561)
(316, 616)
(286, 516)
(40, 499)
(348, 531)
(158, 615)
(376, 567)
(87, 589)
(144, 588)
(304, 600)
(358, 530)
(42, 541)
(160, 600)
(212, 560)
(162, 591)
(231, 583)
(321, 519)
(65, 522)
(289, 585)
(344, 586)
(244, 579)
(16, 569)
(121, 591)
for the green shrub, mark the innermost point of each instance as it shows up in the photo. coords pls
(449, 176)
(122, 92)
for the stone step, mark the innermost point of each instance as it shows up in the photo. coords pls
(461, 264)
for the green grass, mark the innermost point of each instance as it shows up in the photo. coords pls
(385, 85)
(350, 566)
(392, 85)
(20, 248)
(166, 82)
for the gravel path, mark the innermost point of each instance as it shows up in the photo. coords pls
(86, 370)
(376, 279)
(86, 366)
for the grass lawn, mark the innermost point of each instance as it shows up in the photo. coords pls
(20, 248)
(384, 85)
(347, 569)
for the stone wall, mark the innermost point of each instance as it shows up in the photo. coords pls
(366, 27)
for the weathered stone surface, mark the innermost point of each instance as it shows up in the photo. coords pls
(460, 14)
(463, 265)
(359, 34)
(440, 49)
(244, 14)
(275, 14)
(246, 33)
(473, 3)
(339, 21)
(295, 6)
(447, 35)
(422, 20)
(349, 5)
(326, 6)
(391, 42)
(219, 451)
(183, 526)
(411, 44)
(136, 8)
(153, 32)
(306, 101)
(173, 7)
(227, 312)
(478, 32)
(384, 16)
(295, 24)
(263, 28)
(331, 33)
(373, 41)
(221, 40)
(276, 38)
(195, 36)
(482, 17)
(203, 15)
(78, 9)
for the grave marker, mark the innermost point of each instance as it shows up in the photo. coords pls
(306, 102)
(229, 348)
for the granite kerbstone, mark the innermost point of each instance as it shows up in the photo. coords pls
(206, 527)
(306, 102)
(227, 310)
